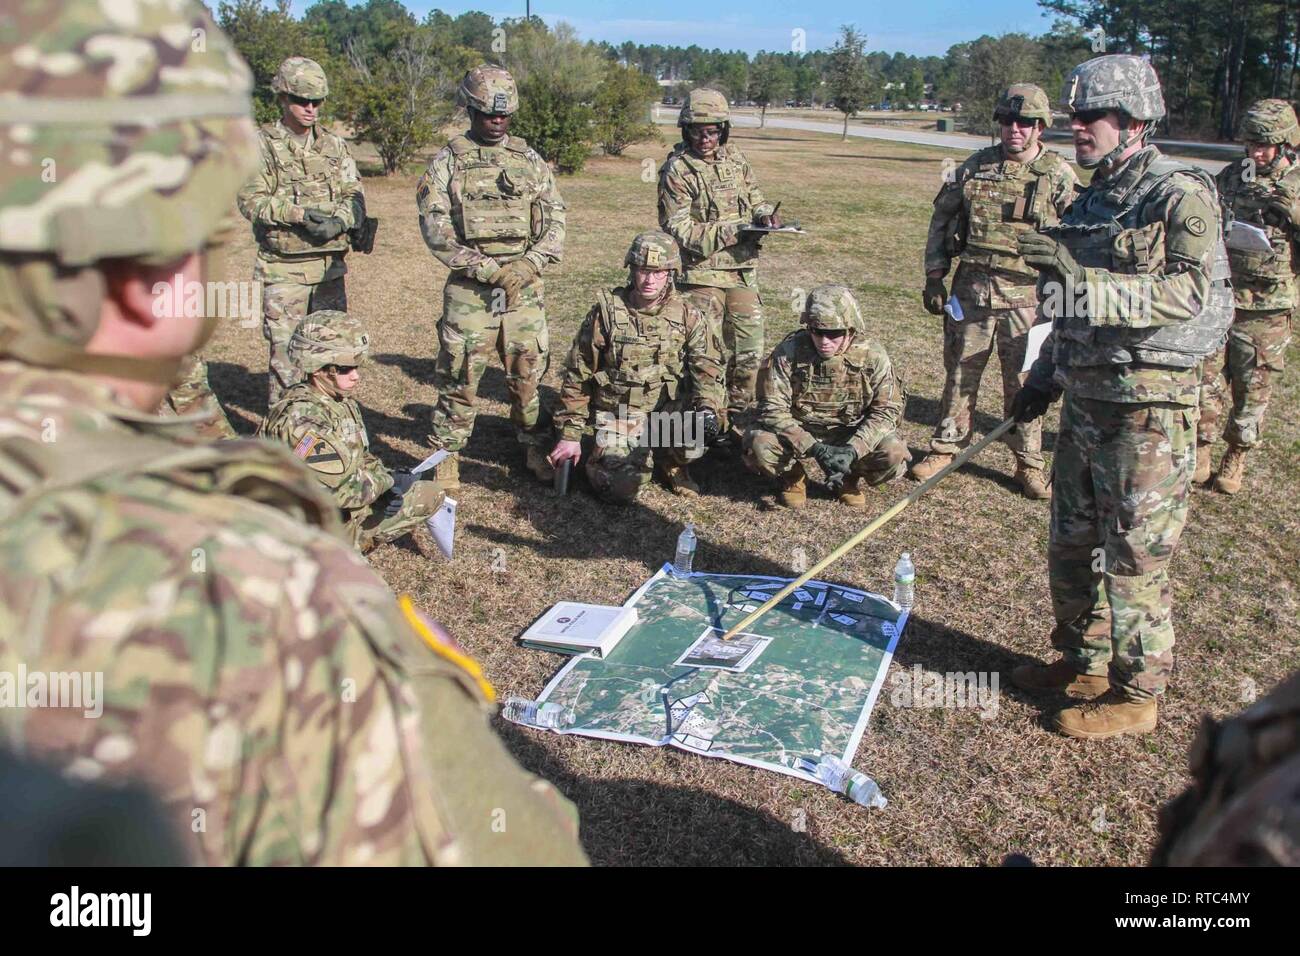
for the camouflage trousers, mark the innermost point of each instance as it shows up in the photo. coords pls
(967, 346)
(192, 395)
(737, 314)
(370, 527)
(288, 296)
(1123, 473)
(773, 455)
(468, 332)
(619, 459)
(1245, 366)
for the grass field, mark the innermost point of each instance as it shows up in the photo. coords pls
(962, 789)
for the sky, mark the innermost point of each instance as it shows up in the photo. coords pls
(922, 29)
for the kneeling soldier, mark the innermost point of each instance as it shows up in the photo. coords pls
(322, 423)
(830, 394)
(646, 370)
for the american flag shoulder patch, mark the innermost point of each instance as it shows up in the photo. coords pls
(304, 447)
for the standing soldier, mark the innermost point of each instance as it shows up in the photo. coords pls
(301, 204)
(707, 196)
(1143, 244)
(642, 351)
(828, 394)
(491, 214)
(997, 194)
(256, 674)
(321, 422)
(1263, 191)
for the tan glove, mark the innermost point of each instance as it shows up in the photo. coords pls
(512, 277)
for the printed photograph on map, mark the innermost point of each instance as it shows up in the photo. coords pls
(710, 650)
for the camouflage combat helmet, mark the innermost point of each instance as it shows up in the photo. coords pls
(704, 106)
(488, 89)
(1024, 101)
(123, 139)
(654, 250)
(831, 307)
(1271, 121)
(328, 338)
(1116, 82)
(299, 76)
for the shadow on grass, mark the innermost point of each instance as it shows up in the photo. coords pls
(237, 387)
(925, 411)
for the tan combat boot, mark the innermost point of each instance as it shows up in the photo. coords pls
(447, 473)
(539, 464)
(1231, 470)
(931, 465)
(1059, 677)
(1109, 715)
(1204, 463)
(792, 488)
(851, 493)
(679, 481)
(1032, 483)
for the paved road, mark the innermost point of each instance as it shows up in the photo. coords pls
(962, 141)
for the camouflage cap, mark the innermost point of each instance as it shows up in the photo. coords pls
(1118, 81)
(832, 307)
(1025, 101)
(704, 106)
(489, 89)
(328, 338)
(654, 250)
(1271, 121)
(300, 76)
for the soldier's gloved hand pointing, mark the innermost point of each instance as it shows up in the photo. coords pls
(1030, 403)
(1043, 252)
(321, 226)
(935, 296)
(511, 279)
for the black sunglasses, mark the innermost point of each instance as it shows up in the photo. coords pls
(343, 369)
(831, 333)
(1088, 117)
(304, 101)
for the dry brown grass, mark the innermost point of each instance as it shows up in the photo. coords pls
(962, 790)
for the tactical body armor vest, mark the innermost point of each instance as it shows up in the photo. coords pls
(351, 440)
(494, 197)
(311, 178)
(1248, 202)
(644, 359)
(720, 196)
(1102, 230)
(1004, 199)
(828, 392)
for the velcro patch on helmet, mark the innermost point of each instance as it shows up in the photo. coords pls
(500, 102)
(652, 258)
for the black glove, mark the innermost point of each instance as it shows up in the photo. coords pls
(1043, 253)
(323, 227)
(710, 423)
(935, 296)
(402, 482)
(836, 460)
(1030, 402)
(393, 505)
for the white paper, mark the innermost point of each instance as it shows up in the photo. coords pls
(431, 461)
(1037, 336)
(953, 308)
(443, 526)
(1247, 237)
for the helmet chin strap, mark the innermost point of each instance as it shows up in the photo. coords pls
(1111, 158)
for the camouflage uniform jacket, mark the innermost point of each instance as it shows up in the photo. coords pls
(1263, 281)
(329, 435)
(701, 204)
(1154, 267)
(257, 674)
(978, 214)
(806, 398)
(640, 360)
(482, 206)
(296, 176)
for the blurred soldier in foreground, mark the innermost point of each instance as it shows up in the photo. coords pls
(1265, 193)
(302, 203)
(207, 631)
(707, 196)
(828, 394)
(321, 422)
(646, 370)
(998, 193)
(1142, 245)
(491, 214)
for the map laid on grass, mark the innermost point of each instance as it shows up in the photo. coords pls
(802, 685)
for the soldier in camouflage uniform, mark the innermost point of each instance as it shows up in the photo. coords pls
(1264, 191)
(194, 396)
(491, 213)
(320, 420)
(828, 394)
(301, 204)
(1142, 244)
(646, 371)
(707, 196)
(257, 675)
(996, 194)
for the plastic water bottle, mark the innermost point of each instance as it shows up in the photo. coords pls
(521, 710)
(685, 556)
(904, 581)
(842, 778)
